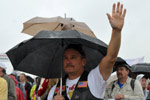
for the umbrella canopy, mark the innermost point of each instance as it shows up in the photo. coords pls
(42, 55)
(37, 24)
(141, 68)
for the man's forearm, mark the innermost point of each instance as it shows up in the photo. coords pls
(114, 45)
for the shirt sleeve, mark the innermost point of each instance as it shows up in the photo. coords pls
(11, 90)
(96, 83)
(51, 93)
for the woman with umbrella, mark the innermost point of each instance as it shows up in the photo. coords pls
(79, 84)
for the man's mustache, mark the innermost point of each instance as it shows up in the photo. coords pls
(69, 65)
(119, 74)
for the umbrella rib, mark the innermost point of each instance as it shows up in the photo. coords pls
(57, 26)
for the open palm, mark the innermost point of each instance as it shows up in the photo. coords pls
(117, 18)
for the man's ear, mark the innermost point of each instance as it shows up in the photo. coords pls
(128, 71)
(83, 62)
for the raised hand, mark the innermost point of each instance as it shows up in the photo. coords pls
(117, 18)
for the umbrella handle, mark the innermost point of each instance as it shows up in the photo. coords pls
(61, 86)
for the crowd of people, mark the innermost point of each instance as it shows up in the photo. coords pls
(78, 84)
(18, 87)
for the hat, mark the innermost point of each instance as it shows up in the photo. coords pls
(140, 76)
(2, 66)
(121, 63)
(14, 73)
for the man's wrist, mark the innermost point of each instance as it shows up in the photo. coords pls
(117, 30)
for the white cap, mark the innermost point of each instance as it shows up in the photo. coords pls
(140, 76)
(2, 65)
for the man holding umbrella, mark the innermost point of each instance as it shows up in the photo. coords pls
(79, 84)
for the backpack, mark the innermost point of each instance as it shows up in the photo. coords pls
(131, 84)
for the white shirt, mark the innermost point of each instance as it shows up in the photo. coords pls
(71, 83)
(96, 84)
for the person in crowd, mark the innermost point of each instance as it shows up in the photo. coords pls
(34, 89)
(26, 84)
(79, 84)
(19, 93)
(3, 89)
(143, 80)
(10, 82)
(29, 79)
(19, 85)
(124, 87)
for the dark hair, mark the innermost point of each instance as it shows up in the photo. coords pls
(4, 71)
(78, 48)
(146, 77)
(23, 75)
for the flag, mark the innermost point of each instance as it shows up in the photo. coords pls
(58, 89)
(82, 84)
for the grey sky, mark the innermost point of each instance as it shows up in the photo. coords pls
(135, 34)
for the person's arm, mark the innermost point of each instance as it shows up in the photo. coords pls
(116, 22)
(11, 90)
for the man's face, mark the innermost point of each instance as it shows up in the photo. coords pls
(73, 62)
(122, 72)
(1, 72)
(143, 82)
(22, 78)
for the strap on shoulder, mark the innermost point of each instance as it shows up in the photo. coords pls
(132, 84)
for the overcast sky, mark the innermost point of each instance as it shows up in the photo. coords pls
(135, 34)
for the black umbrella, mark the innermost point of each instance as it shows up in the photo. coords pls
(42, 55)
(141, 68)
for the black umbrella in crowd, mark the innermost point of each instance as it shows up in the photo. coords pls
(141, 68)
(42, 55)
